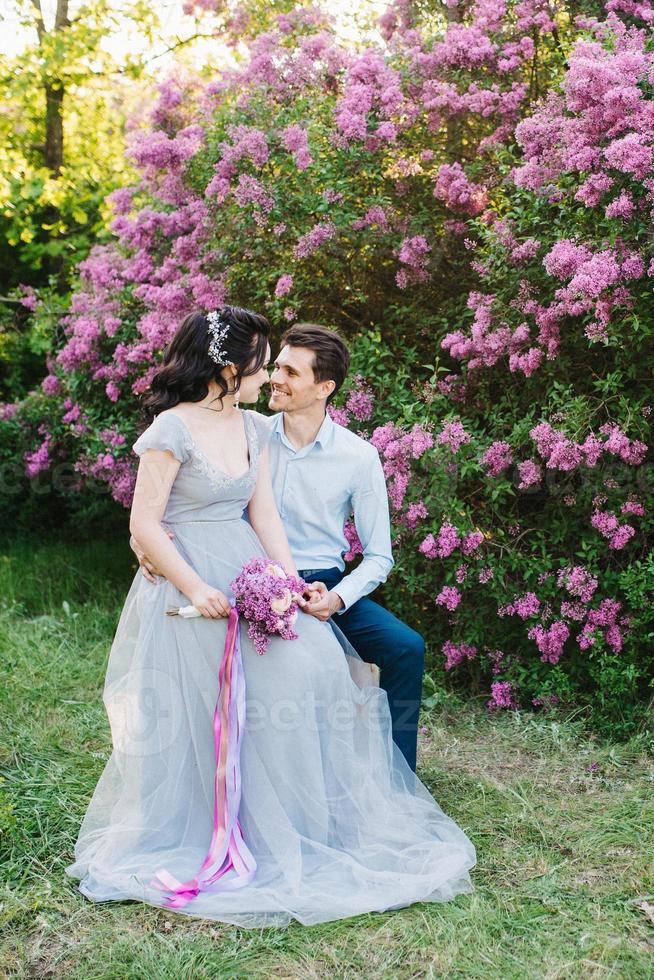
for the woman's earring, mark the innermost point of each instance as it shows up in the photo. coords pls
(237, 388)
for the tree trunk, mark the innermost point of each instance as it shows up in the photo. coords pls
(53, 154)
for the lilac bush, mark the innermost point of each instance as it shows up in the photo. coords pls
(470, 203)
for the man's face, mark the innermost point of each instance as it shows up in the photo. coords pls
(293, 384)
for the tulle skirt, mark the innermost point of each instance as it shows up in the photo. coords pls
(335, 819)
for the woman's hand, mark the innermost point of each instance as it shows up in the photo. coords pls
(212, 603)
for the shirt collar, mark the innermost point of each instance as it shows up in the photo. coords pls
(323, 436)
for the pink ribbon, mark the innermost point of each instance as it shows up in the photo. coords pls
(227, 850)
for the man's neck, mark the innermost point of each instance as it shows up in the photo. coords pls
(302, 427)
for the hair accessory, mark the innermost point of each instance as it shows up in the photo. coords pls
(218, 330)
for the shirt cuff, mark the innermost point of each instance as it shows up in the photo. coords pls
(348, 599)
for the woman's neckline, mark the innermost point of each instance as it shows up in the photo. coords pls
(200, 451)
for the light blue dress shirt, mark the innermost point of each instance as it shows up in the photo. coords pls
(317, 488)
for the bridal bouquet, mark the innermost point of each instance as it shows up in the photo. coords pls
(268, 599)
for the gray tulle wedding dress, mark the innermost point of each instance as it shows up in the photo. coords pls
(336, 820)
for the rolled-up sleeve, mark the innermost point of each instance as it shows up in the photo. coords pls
(372, 521)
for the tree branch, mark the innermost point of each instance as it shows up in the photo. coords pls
(38, 17)
(61, 17)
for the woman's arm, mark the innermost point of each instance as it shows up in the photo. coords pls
(265, 519)
(156, 475)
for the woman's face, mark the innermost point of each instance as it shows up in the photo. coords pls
(252, 385)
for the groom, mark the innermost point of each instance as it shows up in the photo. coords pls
(322, 473)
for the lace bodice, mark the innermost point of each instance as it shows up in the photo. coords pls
(201, 491)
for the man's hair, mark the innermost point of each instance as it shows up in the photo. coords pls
(331, 358)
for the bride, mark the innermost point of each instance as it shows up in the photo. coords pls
(331, 814)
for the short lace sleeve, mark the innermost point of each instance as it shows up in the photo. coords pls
(166, 432)
(262, 426)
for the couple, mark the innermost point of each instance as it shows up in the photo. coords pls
(331, 810)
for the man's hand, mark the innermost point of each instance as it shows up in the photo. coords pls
(323, 605)
(312, 592)
(148, 569)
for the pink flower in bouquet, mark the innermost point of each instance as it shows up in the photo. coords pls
(283, 603)
(268, 599)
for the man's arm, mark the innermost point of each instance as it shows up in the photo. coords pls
(372, 521)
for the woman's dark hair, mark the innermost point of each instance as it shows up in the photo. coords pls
(187, 369)
(331, 358)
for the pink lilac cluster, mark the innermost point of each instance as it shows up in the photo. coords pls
(562, 453)
(550, 641)
(456, 653)
(266, 596)
(360, 400)
(398, 449)
(117, 473)
(415, 513)
(453, 387)
(339, 415)
(453, 435)
(310, 242)
(371, 96)
(489, 341)
(441, 545)
(530, 474)
(604, 621)
(497, 458)
(581, 586)
(524, 606)
(578, 581)
(598, 132)
(448, 540)
(284, 285)
(458, 192)
(51, 385)
(250, 190)
(609, 527)
(413, 254)
(354, 542)
(478, 67)
(245, 143)
(38, 460)
(632, 507)
(193, 7)
(449, 596)
(296, 141)
(28, 298)
(9, 410)
(502, 696)
(375, 217)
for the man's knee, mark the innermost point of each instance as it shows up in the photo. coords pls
(412, 645)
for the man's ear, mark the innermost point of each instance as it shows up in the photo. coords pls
(326, 388)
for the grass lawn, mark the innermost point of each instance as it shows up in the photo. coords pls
(564, 826)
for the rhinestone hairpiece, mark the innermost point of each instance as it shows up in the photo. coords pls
(218, 330)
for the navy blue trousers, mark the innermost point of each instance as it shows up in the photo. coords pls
(381, 638)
